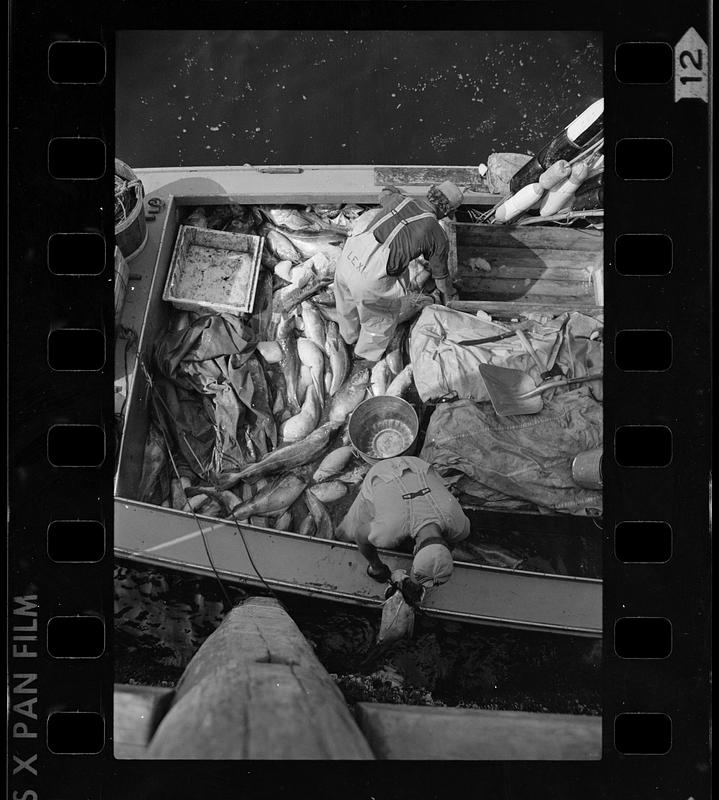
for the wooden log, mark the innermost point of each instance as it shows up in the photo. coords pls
(256, 690)
(428, 175)
(137, 710)
(534, 237)
(434, 733)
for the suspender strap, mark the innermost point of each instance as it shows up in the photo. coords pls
(420, 493)
(389, 214)
(388, 241)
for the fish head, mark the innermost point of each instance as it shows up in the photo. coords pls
(361, 376)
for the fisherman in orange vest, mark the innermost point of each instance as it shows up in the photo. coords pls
(371, 275)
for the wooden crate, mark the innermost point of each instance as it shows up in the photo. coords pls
(527, 265)
(213, 270)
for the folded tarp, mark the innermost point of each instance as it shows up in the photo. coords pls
(220, 418)
(442, 368)
(520, 462)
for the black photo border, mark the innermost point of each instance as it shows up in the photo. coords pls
(679, 398)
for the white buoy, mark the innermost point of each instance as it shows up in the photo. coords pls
(556, 173)
(524, 199)
(560, 196)
(587, 124)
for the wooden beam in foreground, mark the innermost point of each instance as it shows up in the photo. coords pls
(256, 690)
(137, 711)
(430, 732)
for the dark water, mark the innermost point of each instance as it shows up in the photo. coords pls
(347, 97)
(161, 618)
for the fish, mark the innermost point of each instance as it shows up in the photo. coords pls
(328, 491)
(308, 527)
(193, 503)
(421, 278)
(330, 210)
(380, 378)
(395, 348)
(336, 350)
(177, 495)
(297, 276)
(283, 522)
(302, 424)
(305, 381)
(270, 351)
(328, 380)
(278, 245)
(153, 465)
(278, 388)
(283, 269)
(323, 522)
(401, 383)
(276, 496)
(250, 447)
(292, 218)
(330, 313)
(356, 475)
(351, 394)
(333, 463)
(324, 265)
(263, 426)
(309, 243)
(315, 326)
(224, 498)
(313, 356)
(262, 310)
(287, 457)
(325, 298)
(290, 364)
(197, 218)
(211, 507)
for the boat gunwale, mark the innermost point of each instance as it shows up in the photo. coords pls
(310, 590)
(351, 545)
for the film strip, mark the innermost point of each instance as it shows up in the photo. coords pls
(657, 471)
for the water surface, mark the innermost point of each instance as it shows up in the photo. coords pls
(347, 97)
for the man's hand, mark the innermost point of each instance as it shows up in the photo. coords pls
(411, 591)
(447, 290)
(380, 573)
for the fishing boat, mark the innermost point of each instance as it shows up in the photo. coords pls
(528, 267)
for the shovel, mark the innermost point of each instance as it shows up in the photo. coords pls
(514, 392)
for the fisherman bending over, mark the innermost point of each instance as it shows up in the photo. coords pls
(372, 273)
(404, 499)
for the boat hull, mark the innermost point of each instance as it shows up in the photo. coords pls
(332, 570)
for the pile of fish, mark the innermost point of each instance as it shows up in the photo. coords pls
(313, 385)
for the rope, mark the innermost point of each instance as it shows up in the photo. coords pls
(151, 384)
(197, 521)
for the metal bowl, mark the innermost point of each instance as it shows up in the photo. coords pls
(383, 427)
